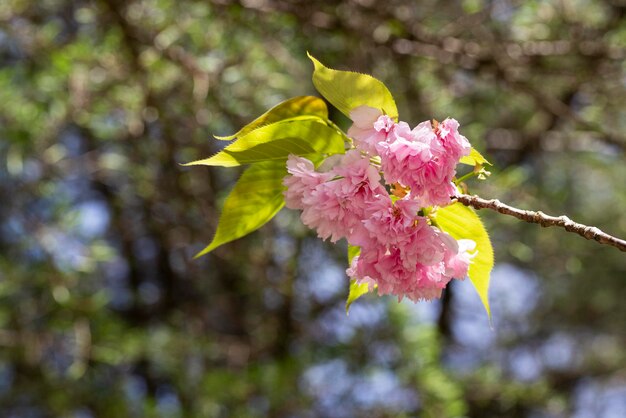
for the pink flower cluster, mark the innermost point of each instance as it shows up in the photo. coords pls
(422, 159)
(402, 253)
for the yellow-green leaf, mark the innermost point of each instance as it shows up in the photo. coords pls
(463, 223)
(296, 106)
(276, 141)
(356, 290)
(353, 251)
(347, 90)
(475, 158)
(255, 199)
(269, 151)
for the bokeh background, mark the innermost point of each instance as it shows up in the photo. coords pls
(103, 313)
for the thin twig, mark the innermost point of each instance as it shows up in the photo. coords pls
(589, 232)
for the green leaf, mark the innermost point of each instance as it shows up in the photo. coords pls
(255, 199)
(274, 150)
(353, 251)
(276, 141)
(463, 223)
(475, 158)
(356, 290)
(347, 90)
(296, 106)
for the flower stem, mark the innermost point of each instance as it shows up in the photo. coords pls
(465, 177)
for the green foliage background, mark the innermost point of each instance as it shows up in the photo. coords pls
(103, 313)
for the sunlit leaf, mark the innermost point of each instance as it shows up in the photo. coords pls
(273, 150)
(255, 199)
(463, 223)
(296, 106)
(353, 251)
(475, 158)
(347, 90)
(278, 140)
(356, 290)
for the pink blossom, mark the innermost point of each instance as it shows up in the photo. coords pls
(404, 151)
(370, 127)
(457, 264)
(364, 117)
(425, 161)
(336, 206)
(426, 247)
(388, 273)
(401, 252)
(302, 181)
(391, 223)
(455, 144)
(418, 268)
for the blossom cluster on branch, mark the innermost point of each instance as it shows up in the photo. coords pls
(389, 190)
(384, 187)
(403, 252)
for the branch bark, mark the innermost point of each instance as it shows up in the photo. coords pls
(589, 232)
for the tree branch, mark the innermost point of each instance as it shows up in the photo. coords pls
(589, 232)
